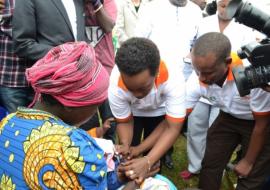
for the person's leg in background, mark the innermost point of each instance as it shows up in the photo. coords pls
(150, 123)
(214, 111)
(11, 98)
(146, 125)
(137, 130)
(199, 121)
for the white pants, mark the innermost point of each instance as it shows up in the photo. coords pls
(199, 121)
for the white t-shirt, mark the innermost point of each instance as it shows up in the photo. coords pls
(71, 12)
(167, 96)
(173, 29)
(237, 33)
(227, 97)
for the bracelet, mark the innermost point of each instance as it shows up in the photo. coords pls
(100, 6)
(148, 162)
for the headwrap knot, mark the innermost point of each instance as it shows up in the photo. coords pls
(71, 74)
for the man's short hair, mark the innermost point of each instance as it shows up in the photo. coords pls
(213, 42)
(136, 55)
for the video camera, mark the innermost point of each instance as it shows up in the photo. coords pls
(258, 53)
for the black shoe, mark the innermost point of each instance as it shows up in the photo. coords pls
(168, 161)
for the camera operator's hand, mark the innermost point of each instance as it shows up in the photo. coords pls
(243, 168)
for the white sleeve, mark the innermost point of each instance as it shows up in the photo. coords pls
(119, 104)
(174, 91)
(260, 102)
(193, 93)
(118, 98)
(120, 23)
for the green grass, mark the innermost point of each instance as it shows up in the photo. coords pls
(181, 162)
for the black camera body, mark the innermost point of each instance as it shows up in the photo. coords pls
(258, 53)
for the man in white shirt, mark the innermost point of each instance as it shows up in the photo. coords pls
(204, 113)
(242, 120)
(172, 25)
(145, 94)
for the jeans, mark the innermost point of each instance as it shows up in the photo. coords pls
(187, 70)
(11, 97)
(200, 119)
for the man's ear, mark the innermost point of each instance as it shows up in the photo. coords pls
(228, 60)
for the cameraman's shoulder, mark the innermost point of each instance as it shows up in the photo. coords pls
(260, 95)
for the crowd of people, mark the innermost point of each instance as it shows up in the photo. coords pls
(80, 112)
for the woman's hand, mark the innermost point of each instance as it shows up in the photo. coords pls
(136, 169)
(134, 152)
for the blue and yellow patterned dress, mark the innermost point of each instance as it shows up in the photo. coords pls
(39, 151)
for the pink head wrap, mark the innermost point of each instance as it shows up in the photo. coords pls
(71, 74)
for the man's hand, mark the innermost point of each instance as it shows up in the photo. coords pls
(243, 168)
(2, 6)
(154, 169)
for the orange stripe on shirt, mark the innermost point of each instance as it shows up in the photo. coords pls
(121, 84)
(175, 120)
(124, 120)
(236, 62)
(261, 113)
(189, 110)
(162, 75)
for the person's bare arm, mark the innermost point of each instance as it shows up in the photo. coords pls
(149, 142)
(256, 143)
(141, 166)
(2, 6)
(104, 20)
(125, 134)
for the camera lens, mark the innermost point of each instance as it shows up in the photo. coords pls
(258, 76)
(251, 77)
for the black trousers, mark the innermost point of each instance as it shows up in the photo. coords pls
(222, 138)
(145, 126)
